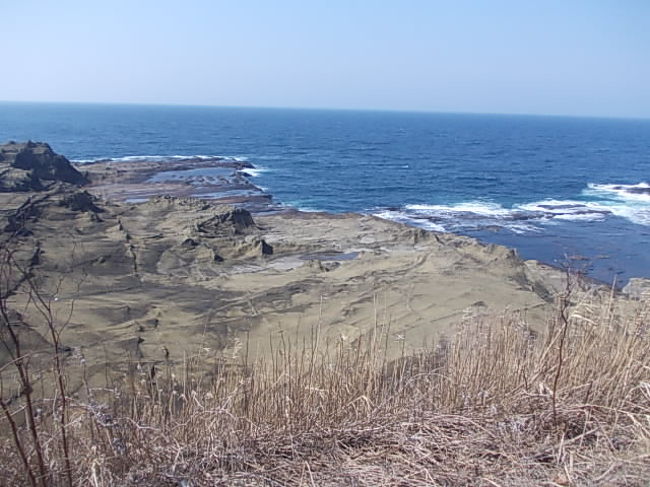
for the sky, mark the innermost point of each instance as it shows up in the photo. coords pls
(566, 57)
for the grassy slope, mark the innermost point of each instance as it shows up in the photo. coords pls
(496, 405)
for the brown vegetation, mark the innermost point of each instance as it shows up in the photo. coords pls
(496, 405)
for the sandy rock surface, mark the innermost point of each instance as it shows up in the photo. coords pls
(158, 281)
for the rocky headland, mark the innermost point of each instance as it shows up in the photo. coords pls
(170, 275)
(152, 337)
(34, 167)
(137, 179)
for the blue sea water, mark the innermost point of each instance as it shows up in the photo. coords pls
(551, 187)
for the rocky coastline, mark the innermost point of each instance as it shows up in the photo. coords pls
(143, 270)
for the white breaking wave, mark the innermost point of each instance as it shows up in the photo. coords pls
(479, 208)
(631, 202)
(254, 172)
(551, 209)
(402, 217)
(630, 192)
(161, 158)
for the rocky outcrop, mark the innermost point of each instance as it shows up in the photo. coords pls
(233, 234)
(34, 166)
(227, 221)
(81, 201)
(60, 201)
(159, 279)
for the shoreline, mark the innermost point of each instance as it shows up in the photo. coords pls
(139, 178)
(152, 282)
(131, 180)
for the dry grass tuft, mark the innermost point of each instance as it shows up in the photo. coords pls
(496, 405)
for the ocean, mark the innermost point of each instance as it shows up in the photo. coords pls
(558, 189)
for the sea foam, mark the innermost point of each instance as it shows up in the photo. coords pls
(632, 192)
(630, 202)
(254, 172)
(163, 158)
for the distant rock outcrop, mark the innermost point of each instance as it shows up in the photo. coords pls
(227, 221)
(34, 166)
(81, 201)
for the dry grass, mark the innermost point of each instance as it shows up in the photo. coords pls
(496, 405)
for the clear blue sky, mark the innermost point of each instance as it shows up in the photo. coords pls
(574, 57)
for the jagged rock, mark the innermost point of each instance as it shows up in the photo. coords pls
(228, 221)
(57, 200)
(17, 218)
(266, 248)
(33, 166)
(80, 201)
(189, 243)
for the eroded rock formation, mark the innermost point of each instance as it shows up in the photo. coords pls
(34, 166)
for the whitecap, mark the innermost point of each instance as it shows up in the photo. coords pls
(163, 158)
(254, 171)
(480, 208)
(403, 217)
(638, 215)
(630, 192)
(481, 215)
(570, 210)
(629, 201)
(552, 206)
(580, 217)
(83, 161)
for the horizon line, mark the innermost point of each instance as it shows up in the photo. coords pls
(332, 109)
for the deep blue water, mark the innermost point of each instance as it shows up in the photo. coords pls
(549, 186)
